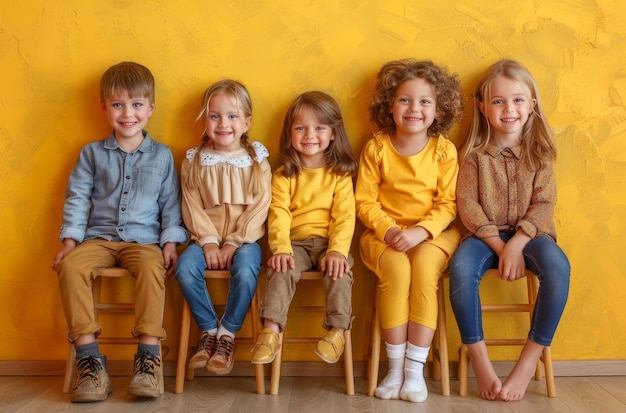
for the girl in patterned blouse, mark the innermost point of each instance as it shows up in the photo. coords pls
(506, 193)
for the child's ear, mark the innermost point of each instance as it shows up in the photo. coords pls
(103, 106)
(481, 106)
(246, 125)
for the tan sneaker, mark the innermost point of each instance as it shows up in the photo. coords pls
(147, 378)
(204, 351)
(330, 347)
(223, 360)
(93, 383)
(266, 347)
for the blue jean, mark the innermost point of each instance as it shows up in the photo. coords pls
(541, 255)
(244, 273)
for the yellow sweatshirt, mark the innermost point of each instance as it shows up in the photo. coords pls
(316, 203)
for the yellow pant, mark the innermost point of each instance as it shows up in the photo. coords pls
(85, 262)
(408, 284)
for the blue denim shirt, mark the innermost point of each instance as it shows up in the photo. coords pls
(119, 196)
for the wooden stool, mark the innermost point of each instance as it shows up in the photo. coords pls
(441, 368)
(347, 352)
(528, 307)
(185, 324)
(107, 307)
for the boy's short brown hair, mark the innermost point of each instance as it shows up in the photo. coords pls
(129, 77)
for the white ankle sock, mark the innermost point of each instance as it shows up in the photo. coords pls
(222, 331)
(414, 387)
(389, 388)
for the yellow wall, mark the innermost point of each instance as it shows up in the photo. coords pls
(52, 54)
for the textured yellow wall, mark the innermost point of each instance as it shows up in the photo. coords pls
(52, 54)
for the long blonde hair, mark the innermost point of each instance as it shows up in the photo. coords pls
(239, 92)
(537, 140)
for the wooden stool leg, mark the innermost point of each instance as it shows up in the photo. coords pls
(276, 365)
(69, 369)
(463, 370)
(259, 373)
(547, 365)
(183, 346)
(442, 336)
(436, 357)
(374, 358)
(348, 362)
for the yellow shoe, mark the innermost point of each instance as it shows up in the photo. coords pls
(266, 347)
(330, 348)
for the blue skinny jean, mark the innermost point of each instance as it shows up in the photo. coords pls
(244, 273)
(542, 256)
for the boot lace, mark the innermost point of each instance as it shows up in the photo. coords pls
(225, 349)
(89, 368)
(146, 364)
(207, 342)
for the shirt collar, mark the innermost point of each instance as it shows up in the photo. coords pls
(495, 151)
(146, 146)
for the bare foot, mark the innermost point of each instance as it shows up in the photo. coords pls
(516, 384)
(489, 384)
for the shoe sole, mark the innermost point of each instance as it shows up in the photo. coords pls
(151, 393)
(218, 370)
(329, 361)
(197, 365)
(265, 362)
(91, 397)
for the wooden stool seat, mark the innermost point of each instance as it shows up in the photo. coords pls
(105, 307)
(182, 372)
(527, 307)
(439, 350)
(347, 353)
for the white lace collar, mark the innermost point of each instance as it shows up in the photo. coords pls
(209, 157)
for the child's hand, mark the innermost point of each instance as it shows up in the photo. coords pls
(281, 262)
(334, 264)
(512, 265)
(170, 257)
(404, 240)
(213, 257)
(68, 245)
(228, 251)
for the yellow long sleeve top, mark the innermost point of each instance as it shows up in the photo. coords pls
(316, 203)
(495, 192)
(394, 190)
(222, 210)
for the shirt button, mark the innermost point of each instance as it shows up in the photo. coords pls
(123, 209)
(127, 176)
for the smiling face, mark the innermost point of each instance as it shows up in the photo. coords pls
(507, 110)
(414, 108)
(310, 138)
(225, 123)
(127, 116)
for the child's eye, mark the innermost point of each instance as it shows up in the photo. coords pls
(519, 100)
(497, 101)
(232, 117)
(213, 116)
(403, 100)
(299, 128)
(321, 128)
(137, 104)
(425, 102)
(117, 105)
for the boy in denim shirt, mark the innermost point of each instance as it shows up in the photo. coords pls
(122, 208)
